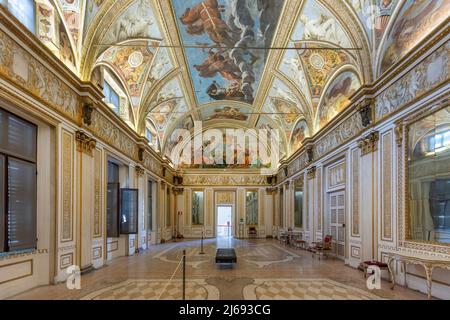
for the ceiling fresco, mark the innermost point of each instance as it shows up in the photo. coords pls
(181, 61)
(226, 70)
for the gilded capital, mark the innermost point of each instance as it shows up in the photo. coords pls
(369, 143)
(85, 144)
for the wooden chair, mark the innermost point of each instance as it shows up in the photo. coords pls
(298, 242)
(283, 237)
(322, 248)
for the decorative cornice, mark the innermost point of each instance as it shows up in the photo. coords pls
(85, 144)
(369, 144)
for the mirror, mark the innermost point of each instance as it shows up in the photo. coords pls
(429, 178)
(197, 208)
(251, 207)
(298, 202)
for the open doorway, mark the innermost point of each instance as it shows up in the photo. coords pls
(224, 221)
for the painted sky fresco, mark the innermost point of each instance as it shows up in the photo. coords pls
(221, 73)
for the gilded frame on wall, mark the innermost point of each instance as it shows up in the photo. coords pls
(404, 211)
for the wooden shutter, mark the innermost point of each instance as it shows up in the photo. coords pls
(21, 205)
(112, 210)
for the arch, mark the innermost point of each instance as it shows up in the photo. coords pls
(347, 68)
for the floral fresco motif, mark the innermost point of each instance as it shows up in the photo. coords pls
(132, 63)
(45, 15)
(228, 71)
(300, 133)
(416, 20)
(225, 113)
(72, 11)
(337, 96)
(320, 65)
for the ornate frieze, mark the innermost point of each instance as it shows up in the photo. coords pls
(369, 143)
(225, 197)
(427, 75)
(25, 71)
(229, 180)
(345, 131)
(85, 143)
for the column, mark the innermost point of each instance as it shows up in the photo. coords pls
(369, 147)
(85, 147)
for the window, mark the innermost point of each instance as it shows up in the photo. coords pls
(112, 97)
(23, 10)
(439, 141)
(18, 140)
(112, 199)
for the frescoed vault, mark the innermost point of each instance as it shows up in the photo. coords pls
(290, 65)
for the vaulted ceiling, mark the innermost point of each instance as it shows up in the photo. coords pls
(285, 64)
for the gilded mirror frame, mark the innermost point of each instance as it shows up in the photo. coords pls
(404, 211)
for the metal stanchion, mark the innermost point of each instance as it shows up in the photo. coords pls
(184, 274)
(201, 249)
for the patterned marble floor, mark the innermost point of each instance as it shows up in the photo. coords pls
(265, 270)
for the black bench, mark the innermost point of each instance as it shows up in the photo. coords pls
(226, 256)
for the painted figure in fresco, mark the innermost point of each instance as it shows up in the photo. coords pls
(218, 63)
(207, 17)
(323, 28)
(417, 20)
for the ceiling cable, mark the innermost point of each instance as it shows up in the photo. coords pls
(224, 47)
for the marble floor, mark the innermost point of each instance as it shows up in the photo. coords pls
(265, 270)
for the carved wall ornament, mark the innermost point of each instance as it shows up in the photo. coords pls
(87, 114)
(312, 173)
(399, 134)
(369, 144)
(271, 191)
(310, 154)
(85, 143)
(366, 110)
(141, 154)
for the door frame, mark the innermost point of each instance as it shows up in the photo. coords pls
(233, 229)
